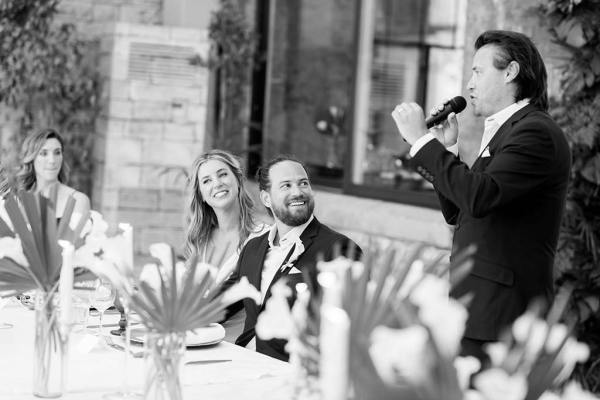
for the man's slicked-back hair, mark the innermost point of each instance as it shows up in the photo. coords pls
(263, 174)
(532, 78)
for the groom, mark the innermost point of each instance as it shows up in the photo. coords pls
(292, 245)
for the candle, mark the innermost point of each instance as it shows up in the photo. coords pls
(334, 344)
(65, 283)
(332, 288)
(128, 245)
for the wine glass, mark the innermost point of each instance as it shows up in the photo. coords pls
(101, 298)
(4, 301)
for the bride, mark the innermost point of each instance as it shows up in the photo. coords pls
(221, 218)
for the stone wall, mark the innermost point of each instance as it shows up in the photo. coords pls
(385, 222)
(151, 128)
(91, 16)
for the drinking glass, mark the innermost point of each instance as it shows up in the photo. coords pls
(3, 302)
(80, 309)
(101, 298)
(126, 393)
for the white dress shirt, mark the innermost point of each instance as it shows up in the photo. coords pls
(277, 253)
(491, 126)
(494, 122)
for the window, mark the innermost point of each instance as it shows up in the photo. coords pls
(335, 71)
(408, 50)
(310, 76)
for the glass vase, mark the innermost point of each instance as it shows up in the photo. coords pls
(50, 349)
(304, 358)
(164, 363)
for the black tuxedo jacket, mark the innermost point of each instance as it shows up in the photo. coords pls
(509, 204)
(317, 239)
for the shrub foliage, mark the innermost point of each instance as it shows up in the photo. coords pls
(574, 26)
(48, 78)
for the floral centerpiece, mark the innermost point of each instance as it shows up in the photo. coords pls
(395, 334)
(35, 254)
(537, 355)
(172, 299)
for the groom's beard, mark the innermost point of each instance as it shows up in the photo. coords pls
(295, 215)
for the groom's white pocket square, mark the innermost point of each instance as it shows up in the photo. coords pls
(486, 153)
(294, 270)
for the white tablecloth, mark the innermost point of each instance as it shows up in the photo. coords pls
(249, 375)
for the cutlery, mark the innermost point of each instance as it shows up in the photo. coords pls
(202, 362)
(135, 354)
(111, 325)
(95, 313)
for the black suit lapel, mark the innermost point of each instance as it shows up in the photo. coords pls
(283, 270)
(311, 231)
(253, 264)
(506, 127)
(257, 262)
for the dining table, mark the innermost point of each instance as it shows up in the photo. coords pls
(95, 369)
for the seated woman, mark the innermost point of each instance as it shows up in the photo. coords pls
(43, 169)
(221, 218)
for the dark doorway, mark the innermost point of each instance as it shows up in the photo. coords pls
(259, 77)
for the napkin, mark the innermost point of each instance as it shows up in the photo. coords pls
(294, 270)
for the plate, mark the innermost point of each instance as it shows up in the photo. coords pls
(207, 336)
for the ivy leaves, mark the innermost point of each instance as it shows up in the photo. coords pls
(571, 32)
(233, 55)
(575, 27)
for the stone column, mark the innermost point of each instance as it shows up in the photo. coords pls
(151, 129)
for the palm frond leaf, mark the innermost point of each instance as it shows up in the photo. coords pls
(5, 230)
(187, 296)
(179, 302)
(30, 249)
(52, 255)
(34, 223)
(63, 226)
(14, 278)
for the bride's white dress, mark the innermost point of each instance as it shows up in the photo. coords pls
(235, 324)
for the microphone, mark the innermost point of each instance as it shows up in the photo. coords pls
(455, 105)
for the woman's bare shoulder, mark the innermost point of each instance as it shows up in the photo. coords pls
(82, 201)
(80, 196)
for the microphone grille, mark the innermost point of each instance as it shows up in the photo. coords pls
(458, 104)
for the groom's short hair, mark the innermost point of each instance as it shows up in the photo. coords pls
(263, 174)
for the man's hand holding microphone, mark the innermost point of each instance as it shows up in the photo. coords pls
(442, 123)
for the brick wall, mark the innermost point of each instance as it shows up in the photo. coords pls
(151, 128)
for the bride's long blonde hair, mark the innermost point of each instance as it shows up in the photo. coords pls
(202, 218)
